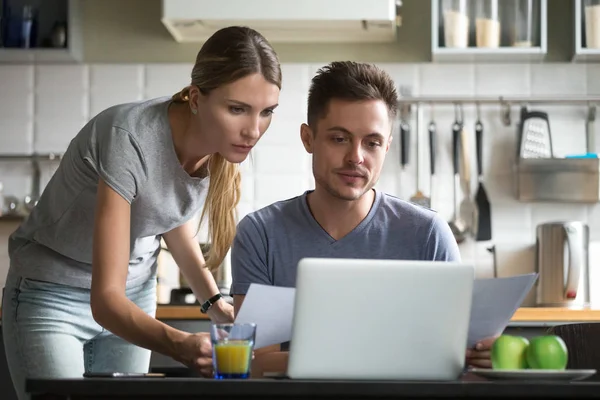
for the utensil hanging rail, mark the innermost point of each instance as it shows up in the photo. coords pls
(505, 102)
(33, 156)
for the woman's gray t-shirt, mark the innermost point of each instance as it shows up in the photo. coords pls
(130, 147)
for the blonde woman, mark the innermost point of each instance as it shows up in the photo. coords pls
(81, 290)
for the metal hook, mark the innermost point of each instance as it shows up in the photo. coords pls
(506, 120)
(458, 113)
(591, 116)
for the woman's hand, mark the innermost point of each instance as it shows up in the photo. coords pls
(221, 312)
(195, 351)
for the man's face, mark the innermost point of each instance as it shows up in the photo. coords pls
(348, 146)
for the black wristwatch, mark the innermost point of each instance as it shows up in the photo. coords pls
(208, 303)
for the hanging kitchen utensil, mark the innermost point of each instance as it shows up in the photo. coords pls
(457, 224)
(492, 249)
(404, 141)
(536, 140)
(483, 220)
(419, 198)
(467, 207)
(404, 128)
(590, 130)
(432, 144)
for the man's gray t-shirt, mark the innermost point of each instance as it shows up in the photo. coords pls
(130, 147)
(270, 242)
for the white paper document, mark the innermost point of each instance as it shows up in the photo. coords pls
(494, 302)
(271, 308)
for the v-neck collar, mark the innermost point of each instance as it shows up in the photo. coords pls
(322, 233)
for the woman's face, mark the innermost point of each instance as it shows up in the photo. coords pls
(233, 117)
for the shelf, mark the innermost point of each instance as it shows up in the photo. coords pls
(504, 53)
(582, 53)
(37, 56)
(501, 54)
(49, 12)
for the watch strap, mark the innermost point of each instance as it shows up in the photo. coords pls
(208, 303)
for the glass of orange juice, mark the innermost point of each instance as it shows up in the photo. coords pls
(232, 349)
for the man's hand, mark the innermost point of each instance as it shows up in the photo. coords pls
(480, 356)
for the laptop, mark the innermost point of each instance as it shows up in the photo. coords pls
(365, 319)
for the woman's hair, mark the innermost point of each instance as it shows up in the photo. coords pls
(229, 54)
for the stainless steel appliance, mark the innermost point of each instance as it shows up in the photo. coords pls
(562, 262)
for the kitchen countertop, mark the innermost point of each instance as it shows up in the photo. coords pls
(524, 314)
(206, 389)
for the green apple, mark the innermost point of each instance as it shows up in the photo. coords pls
(547, 352)
(508, 352)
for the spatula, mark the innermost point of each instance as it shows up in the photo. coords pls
(419, 198)
(483, 220)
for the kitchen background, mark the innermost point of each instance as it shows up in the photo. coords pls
(129, 56)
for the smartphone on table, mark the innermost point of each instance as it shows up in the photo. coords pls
(123, 375)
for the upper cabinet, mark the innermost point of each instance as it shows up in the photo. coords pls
(305, 21)
(46, 31)
(587, 30)
(488, 30)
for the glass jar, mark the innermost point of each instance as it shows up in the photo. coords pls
(487, 24)
(523, 16)
(456, 23)
(591, 15)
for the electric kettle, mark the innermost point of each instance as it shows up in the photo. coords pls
(562, 264)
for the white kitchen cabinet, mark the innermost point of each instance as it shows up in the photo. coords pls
(488, 30)
(587, 31)
(49, 12)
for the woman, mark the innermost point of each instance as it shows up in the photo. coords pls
(80, 293)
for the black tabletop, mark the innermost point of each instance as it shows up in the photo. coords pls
(206, 389)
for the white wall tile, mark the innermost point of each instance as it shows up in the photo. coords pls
(16, 135)
(274, 187)
(558, 79)
(166, 79)
(16, 108)
(281, 159)
(244, 209)
(294, 91)
(61, 105)
(16, 92)
(545, 212)
(502, 79)
(403, 75)
(247, 190)
(16, 178)
(53, 135)
(511, 221)
(446, 79)
(115, 84)
(593, 79)
(593, 218)
(284, 130)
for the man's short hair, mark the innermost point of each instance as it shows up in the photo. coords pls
(352, 81)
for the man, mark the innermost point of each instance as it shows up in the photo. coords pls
(351, 109)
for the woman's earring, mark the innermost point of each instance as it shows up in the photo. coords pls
(194, 111)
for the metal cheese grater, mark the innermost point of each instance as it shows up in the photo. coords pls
(535, 140)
